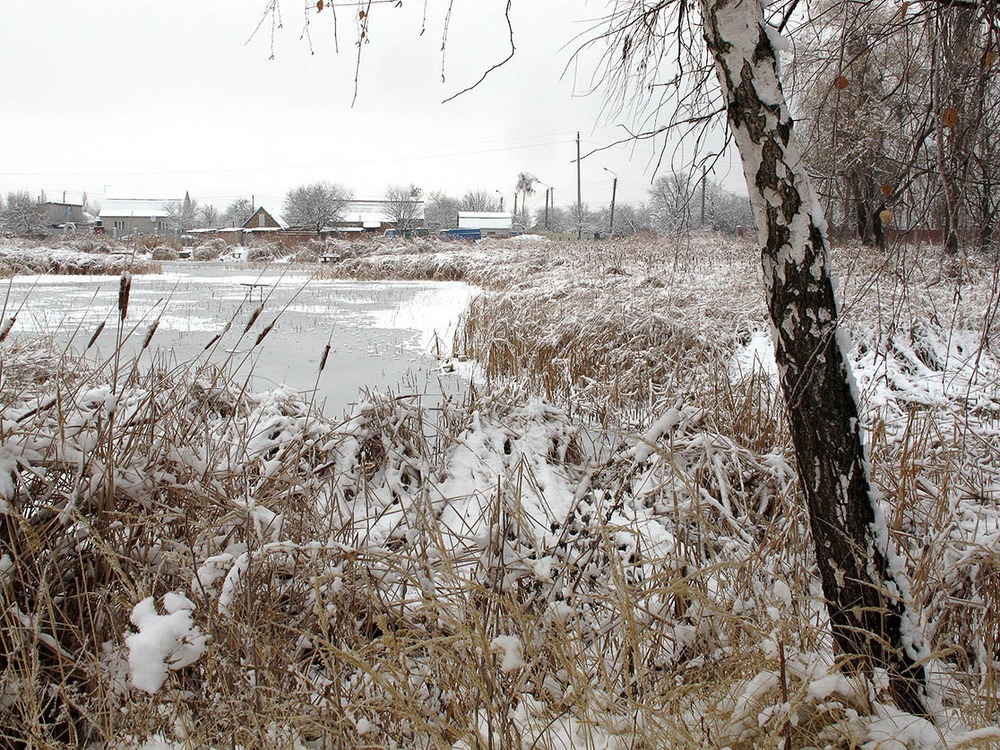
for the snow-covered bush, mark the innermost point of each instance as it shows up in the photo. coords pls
(164, 252)
(211, 250)
(261, 254)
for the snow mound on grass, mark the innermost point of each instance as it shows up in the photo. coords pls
(164, 642)
(510, 650)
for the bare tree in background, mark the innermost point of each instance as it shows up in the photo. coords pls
(441, 212)
(902, 113)
(403, 207)
(184, 214)
(237, 212)
(23, 214)
(480, 200)
(316, 206)
(209, 216)
(671, 198)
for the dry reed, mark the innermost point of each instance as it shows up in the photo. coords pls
(624, 560)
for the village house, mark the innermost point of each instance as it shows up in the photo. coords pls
(123, 217)
(261, 222)
(60, 214)
(371, 215)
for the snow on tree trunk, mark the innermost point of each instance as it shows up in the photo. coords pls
(872, 627)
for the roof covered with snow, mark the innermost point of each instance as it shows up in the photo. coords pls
(371, 213)
(151, 207)
(485, 220)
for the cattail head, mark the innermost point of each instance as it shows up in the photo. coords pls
(322, 361)
(149, 333)
(267, 330)
(253, 319)
(97, 333)
(8, 324)
(124, 289)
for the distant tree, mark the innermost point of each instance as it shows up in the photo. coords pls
(237, 212)
(725, 211)
(525, 187)
(209, 216)
(630, 219)
(403, 207)
(589, 222)
(671, 202)
(183, 215)
(480, 200)
(23, 214)
(441, 212)
(559, 220)
(316, 206)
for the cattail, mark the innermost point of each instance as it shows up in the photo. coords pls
(253, 319)
(322, 361)
(149, 333)
(97, 333)
(6, 327)
(215, 338)
(266, 331)
(124, 289)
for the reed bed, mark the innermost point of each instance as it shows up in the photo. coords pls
(601, 546)
(27, 258)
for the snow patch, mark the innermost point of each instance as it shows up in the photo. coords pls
(163, 642)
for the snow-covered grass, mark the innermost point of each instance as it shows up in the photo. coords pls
(603, 546)
(87, 258)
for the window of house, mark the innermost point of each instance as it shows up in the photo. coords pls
(260, 220)
(120, 225)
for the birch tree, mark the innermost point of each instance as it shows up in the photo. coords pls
(866, 602)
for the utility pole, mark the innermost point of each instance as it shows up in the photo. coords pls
(547, 189)
(704, 179)
(579, 199)
(614, 190)
(501, 199)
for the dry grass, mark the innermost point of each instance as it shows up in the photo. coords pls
(622, 564)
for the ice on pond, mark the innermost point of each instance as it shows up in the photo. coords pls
(383, 336)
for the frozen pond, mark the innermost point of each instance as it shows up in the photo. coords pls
(383, 336)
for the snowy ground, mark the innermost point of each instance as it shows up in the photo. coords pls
(593, 549)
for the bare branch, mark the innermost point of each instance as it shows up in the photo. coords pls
(510, 56)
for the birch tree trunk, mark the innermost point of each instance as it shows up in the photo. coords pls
(872, 627)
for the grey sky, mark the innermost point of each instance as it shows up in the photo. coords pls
(142, 97)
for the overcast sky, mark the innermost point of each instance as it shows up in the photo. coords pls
(135, 98)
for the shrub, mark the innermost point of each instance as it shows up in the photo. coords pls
(210, 250)
(162, 252)
(261, 254)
